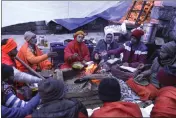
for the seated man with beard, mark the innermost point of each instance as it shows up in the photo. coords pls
(9, 52)
(106, 44)
(134, 51)
(32, 55)
(134, 54)
(76, 51)
(162, 73)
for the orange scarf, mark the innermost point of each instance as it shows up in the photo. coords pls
(11, 44)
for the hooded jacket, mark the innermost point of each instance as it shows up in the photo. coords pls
(60, 109)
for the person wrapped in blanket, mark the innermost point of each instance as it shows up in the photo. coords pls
(9, 52)
(76, 51)
(106, 44)
(163, 66)
(165, 102)
(11, 105)
(134, 53)
(32, 55)
(109, 92)
(54, 104)
(161, 74)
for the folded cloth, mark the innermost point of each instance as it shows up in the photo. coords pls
(148, 92)
(130, 69)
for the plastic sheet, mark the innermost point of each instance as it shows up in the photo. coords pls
(163, 13)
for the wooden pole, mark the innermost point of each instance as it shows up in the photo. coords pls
(29, 68)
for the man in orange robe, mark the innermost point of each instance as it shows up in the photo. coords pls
(76, 51)
(32, 55)
(110, 93)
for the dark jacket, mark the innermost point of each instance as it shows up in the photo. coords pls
(102, 46)
(134, 58)
(60, 109)
(20, 112)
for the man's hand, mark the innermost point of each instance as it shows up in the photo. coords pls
(75, 55)
(84, 62)
(140, 66)
(104, 53)
(126, 64)
(96, 56)
(140, 77)
(52, 54)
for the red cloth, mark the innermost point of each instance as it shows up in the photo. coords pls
(166, 79)
(75, 47)
(7, 60)
(9, 46)
(148, 92)
(81, 115)
(165, 103)
(118, 109)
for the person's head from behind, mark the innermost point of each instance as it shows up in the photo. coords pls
(167, 54)
(9, 47)
(79, 36)
(51, 90)
(7, 73)
(109, 90)
(31, 38)
(136, 36)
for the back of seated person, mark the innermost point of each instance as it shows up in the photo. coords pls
(110, 93)
(54, 104)
(165, 103)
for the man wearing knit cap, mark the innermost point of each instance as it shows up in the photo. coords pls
(76, 51)
(32, 55)
(110, 93)
(54, 105)
(134, 54)
(134, 51)
(108, 43)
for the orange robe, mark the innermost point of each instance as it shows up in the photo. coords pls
(118, 109)
(165, 103)
(32, 60)
(74, 47)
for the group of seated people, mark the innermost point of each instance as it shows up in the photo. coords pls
(51, 92)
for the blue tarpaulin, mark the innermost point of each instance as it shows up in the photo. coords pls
(115, 12)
